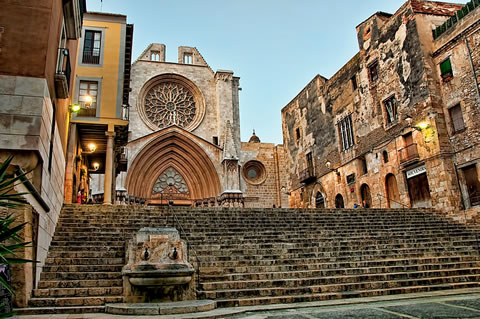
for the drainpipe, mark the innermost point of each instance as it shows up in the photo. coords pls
(473, 67)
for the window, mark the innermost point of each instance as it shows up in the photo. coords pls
(446, 70)
(385, 156)
(457, 118)
(297, 133)
(310, 162)
(346, 132)
(363, 166)
(87, 97)
(391, 110)
(373, 71)
(215, 140)
(155, 56)
(91, 47)
(354, 82)
(187, 58)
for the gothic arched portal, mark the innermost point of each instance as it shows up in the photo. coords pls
(172, 155)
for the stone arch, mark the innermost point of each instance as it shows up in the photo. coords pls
(393, 196)
(339, 203)
(173, 149)
(366, 194)
(318, 189)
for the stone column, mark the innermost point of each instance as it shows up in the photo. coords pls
(107, 187)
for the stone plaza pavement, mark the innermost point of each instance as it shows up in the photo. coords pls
(461, 303)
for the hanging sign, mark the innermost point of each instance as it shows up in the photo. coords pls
(416, 171)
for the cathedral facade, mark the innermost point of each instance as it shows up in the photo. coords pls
(184, 143)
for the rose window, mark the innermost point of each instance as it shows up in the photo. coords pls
(169, 103)
(170, 181)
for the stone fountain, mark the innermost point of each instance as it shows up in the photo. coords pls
(157, 267)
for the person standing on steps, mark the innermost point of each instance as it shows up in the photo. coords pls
(365, 204)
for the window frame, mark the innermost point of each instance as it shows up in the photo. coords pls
(372, 78)
(452, 120)
(446, 75)
(346, 135)
(82, 46)
(99, 94)
(389, 120)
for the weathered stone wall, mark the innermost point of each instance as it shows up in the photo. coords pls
(401, 46)
(267, 192)
(25, 130)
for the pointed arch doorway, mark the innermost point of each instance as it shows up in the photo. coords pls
(172, 168)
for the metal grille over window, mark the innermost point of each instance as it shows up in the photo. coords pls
(91, 47)
(170, 103)
(391, 110)
(346, 132)
(457, 118)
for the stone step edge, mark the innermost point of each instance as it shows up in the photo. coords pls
(448, 290)
(164, 308)
(417, 272)
(402, 281)
(58, 310)
(257, 273)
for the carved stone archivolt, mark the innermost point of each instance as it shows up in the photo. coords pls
(170, 99)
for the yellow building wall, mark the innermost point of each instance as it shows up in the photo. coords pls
(109, 71)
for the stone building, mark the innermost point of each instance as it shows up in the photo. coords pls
(396, 125)
(37, 42)
(184, 137)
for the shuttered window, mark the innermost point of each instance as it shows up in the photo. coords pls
(456, 116)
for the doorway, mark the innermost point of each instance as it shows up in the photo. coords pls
(418, 188)
(366, 196)
(339, 201)
(473, 184)
(393, 197)
(319, 200)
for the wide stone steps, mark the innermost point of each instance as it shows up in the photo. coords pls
(323, 271)
(74, 301)
(337, 279)
(338, 287)
(66, 276)
(78, 292)
(45, 284)
(205, 272)
(31, 311)
(308, 297)
(85, 261)
(253, 257)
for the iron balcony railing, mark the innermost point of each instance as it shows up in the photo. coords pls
(409, 154)
(307, 175)
(91, 57)
(63, 73)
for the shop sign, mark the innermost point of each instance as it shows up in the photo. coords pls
(416, 171)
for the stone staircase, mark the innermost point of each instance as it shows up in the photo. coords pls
(262, 256)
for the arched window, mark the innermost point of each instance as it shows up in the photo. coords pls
(319, 200)
(339, 201)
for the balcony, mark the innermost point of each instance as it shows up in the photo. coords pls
(408, 154)
(91, 57)
(307, 175)
(62, 75)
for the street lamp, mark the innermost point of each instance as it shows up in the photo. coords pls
(92, 147)
(328, 165)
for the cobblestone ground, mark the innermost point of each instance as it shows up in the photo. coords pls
(458, 307)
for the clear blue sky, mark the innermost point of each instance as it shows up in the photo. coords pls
(275, 46)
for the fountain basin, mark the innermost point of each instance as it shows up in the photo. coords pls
(169, 275)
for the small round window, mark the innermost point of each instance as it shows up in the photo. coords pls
(254, 172)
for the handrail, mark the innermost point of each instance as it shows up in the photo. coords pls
(177, 222)
(381, 195)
